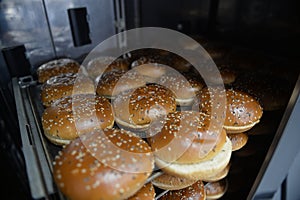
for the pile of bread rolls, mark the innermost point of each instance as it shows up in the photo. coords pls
(121, 120)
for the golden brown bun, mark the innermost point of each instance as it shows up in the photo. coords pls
(161, 57)
(56, 67)
(238, 140)
(65, 85)
(169, 182)
(185, 138)
(114, 82)
(218, 176)
(215, 190)
(61, 124)
(180, 64)
(97, 66)
(147, 192)
(227, 75)
(151, 71)
(153, 56)
(227, 72)
(201, 170)
(184, 87)
(242, 110)
(109, 164)
(193, 192)
(135, 109)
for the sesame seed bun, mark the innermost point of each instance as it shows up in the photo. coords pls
(56, 67)
(99, 65)
(201, 170)
(184, 87)
(109, 164)
(180, 64)
(65, 85)
(136, 109)
(152, 57)
(242, 110)
(61, 124)
(147, 192)
(169, 182)
(195, 191)
(228, 75)
(238, 140)
(162, 57)
(201, 142)
(215, 190)
(186, 146)
(151, 71)
(113, 83)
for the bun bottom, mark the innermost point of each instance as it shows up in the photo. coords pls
(202, 170)
(57, 140)
(239, 129)
(169, 182)
(238, 140)
(215, 190)
(184, 102)
(131, 127)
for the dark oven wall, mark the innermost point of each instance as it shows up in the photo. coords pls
(271, 26)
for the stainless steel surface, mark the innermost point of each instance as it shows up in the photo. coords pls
(24, 22)
(120, 22)
(100, 18)
(39, 179)
(43, 26)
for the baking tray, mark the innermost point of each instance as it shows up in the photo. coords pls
(39, 153)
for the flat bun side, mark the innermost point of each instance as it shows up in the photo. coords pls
(238, 140)
(202, 170)
(169, 182)
(195, 191)
(215, 190)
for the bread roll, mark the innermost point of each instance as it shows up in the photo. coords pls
(71, 116)
(56, 67)
(65, 85)
(109, 164)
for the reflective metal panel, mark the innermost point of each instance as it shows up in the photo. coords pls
(24, 22)
(100, 18)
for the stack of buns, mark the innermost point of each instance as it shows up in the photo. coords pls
(101, 114)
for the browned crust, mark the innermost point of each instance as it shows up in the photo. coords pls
(61, 124)
(143, 105)
(85, 168)
(56, 67)
(195, 191)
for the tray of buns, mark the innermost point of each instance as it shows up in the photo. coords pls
(141, 130)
